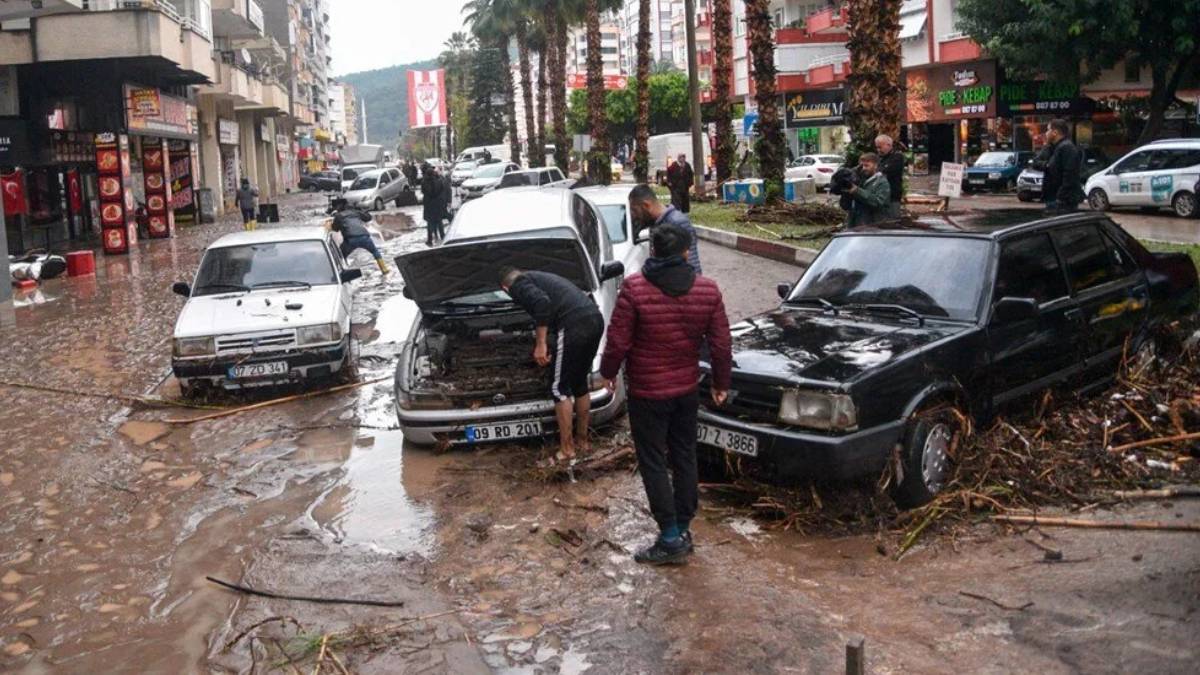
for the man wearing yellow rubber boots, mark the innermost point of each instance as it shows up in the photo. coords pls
(247, 201)
(352, 224)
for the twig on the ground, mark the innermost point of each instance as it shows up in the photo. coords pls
(1163, 440)
(1001, 605)
(271, 619)
(305, 598)
(1098, 524)
(1162, 493)
(321, 655)
(276, 401)
(597, 508)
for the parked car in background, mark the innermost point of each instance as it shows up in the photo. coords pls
(876, 351)
(544, 177)
(321, 181)
(498, 153)
(1029, 182)
(438, 163)
(613, 203)
(266, 307)
(372, 190)
(486, 179)
(820, 168)
(996, 171)
(351, 172)
(462, 171)
(466, 373)
(1161, 174)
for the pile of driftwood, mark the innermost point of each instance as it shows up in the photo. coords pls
(787, 213)
(1127, 443)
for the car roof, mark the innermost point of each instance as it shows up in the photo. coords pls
(512, 211)
(605, 195)
(271, 235)
(989, 224)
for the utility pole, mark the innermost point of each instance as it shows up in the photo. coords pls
(364, 110)
(689, 12)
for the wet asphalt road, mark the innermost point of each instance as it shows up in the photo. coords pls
(113, 513)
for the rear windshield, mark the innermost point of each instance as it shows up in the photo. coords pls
(516, 179)
(935, 276)
(266, 264)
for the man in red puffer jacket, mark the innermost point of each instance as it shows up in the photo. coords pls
(663, 317)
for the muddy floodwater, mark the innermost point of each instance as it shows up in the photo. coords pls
(114, 514)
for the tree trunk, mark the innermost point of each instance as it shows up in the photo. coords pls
(1165, 80)
(599, 157)
(557, 32)
(542, 90)
(770, 147)
(875, 76)
(641, 155)
(527, 93)
(510, 101)
(722, 34)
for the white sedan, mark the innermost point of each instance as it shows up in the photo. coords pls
(820, 168)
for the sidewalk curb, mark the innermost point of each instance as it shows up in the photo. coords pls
(793, 255)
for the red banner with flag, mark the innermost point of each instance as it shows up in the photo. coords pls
(426, 98)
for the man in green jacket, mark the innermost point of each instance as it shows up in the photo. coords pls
(871, 198)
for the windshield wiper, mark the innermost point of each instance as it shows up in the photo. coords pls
(282, 284)
(813, 300)
(880, 307)
(234, 287)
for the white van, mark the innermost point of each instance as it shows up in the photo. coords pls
(1160, 174)
(499, 153)
(664, 148)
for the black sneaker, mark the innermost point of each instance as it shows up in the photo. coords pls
(662, 553)
(687, 539)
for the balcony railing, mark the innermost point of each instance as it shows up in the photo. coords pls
(195, 15)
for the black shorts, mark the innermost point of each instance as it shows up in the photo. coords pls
(574, 352)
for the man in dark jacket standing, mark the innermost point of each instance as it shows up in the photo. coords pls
(662, 318)
(433, 202)
(679, 180)
(560, 307)
(891, 165)
(1062, 184)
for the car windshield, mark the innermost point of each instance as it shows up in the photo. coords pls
(489, 171)
(614, 221)
(276, 264)
(365, 183)
(995, 160)
(896, 270)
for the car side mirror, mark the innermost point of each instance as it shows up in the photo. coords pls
(406, 293)
(1011, 310)
(181, 288)
(783, 290)
(611, 270)
(350, 275)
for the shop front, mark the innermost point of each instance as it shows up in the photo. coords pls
(814, 121)
(950, 112)
(228, 136)
(1027, 107)
(163, 136)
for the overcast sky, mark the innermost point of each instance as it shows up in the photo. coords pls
(370, 34)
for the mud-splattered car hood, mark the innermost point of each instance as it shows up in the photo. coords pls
(793, 344)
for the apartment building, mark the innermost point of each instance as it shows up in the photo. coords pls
(702, 19)
(610, 49)
(662, 43)
(350, 109)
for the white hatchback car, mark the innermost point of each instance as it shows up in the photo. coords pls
(1160, 174)
(267, 307)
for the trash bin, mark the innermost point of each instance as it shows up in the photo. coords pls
(268, 213)
(207, 204)
(748, 191)
(799, 189)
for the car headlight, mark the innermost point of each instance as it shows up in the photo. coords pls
(818, 410)
(994, 176)
(190, 347)
(314, 335)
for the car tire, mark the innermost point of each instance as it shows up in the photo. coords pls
(926, 461)
(379, 206)
(191, 391)
(1025, 196)
(1098, 200)
(1185, 205)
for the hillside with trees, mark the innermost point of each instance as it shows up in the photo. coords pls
(386, 94)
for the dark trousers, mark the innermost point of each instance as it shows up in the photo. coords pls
(664, 435)
(434, 228)
(682, 199)
(362, 241)
(247, 215)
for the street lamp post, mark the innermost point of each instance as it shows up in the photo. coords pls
(689, 13)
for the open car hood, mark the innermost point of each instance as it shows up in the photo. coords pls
(457, 270)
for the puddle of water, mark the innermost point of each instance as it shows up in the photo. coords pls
(370, 506)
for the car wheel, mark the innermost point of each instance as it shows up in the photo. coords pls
(379, 204)
(1098, 199)
(1185, 205)
(926, 458)
(1025, 196)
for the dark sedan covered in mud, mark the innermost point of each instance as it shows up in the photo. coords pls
(894, 338)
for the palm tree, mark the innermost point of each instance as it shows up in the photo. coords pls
(771, 147)
(456, 61)
(493, 22)
(641, 153)
(874, 44)
(544, 51)
(600, 156)
(722, 33)
(556, 24)
(522, 33)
